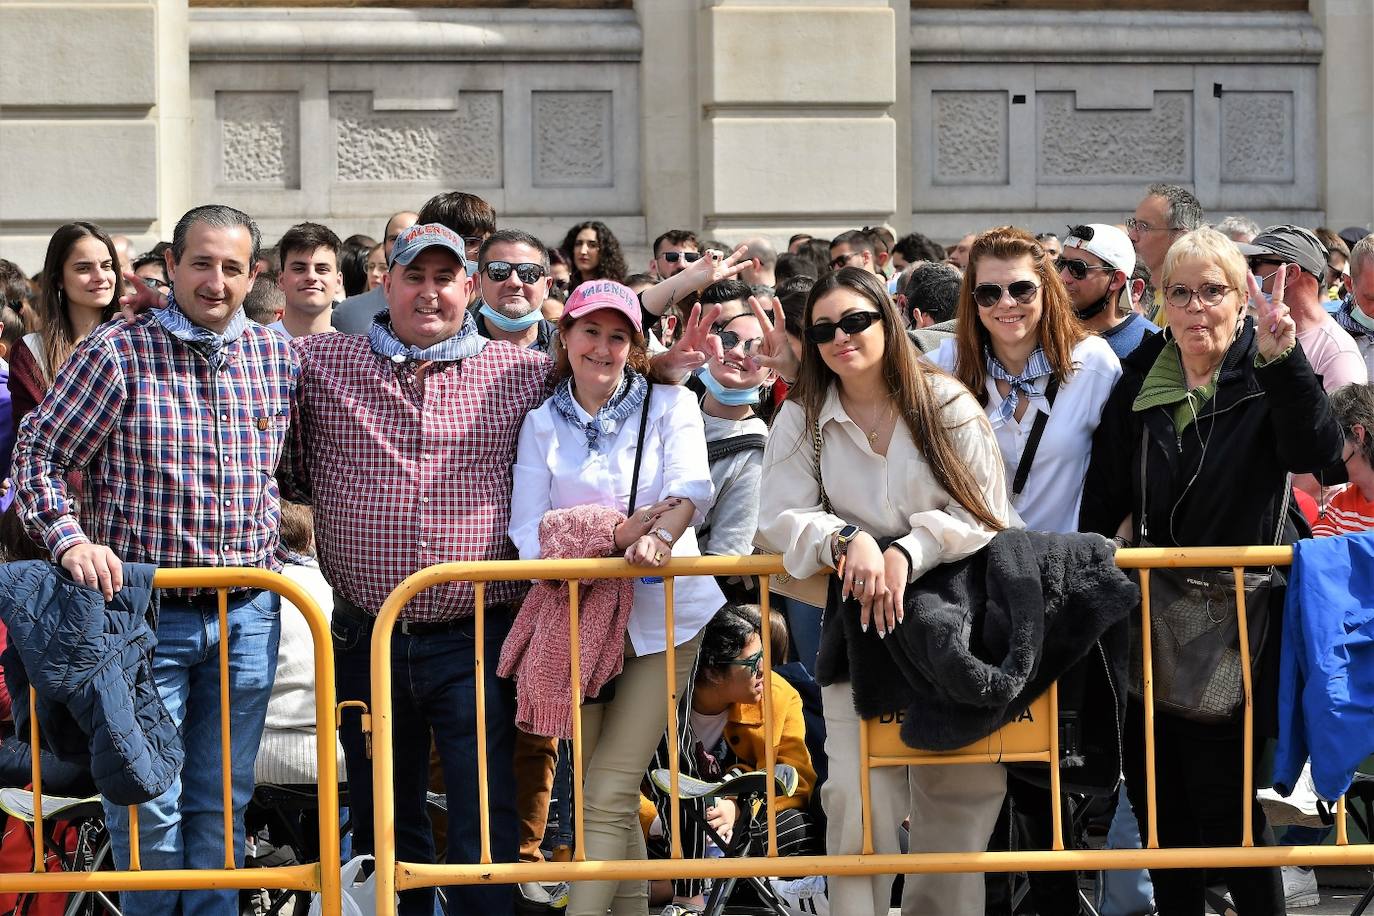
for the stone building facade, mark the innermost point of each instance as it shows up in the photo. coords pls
(737, 117)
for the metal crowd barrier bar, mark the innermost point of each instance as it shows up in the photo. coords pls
(1008, 745)
(322, 877)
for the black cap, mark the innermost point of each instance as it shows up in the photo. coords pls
(1291, 243)
(1352, 234)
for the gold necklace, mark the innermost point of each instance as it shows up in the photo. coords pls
(877, 426)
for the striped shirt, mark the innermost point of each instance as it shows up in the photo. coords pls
(408, 464)
(1346, 513)
(179, 445)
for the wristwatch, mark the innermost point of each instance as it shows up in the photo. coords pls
(664, 535)
(840, 541)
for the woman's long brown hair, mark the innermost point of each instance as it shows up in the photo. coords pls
(906, 378)
(1059, 329)
(59, 336)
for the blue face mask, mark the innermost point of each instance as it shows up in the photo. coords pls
(1361, 318)
(511, 325)
(730, 397)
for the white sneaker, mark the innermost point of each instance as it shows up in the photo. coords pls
(1300, 808)
(1300, 887)
(802, 896)
(535, 897)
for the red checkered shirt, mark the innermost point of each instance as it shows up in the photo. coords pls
(179, 457)
(407, 471)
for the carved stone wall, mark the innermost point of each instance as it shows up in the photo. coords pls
(259, 134)
(349, 115)
(1023, 127)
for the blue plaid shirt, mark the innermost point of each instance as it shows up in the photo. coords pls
(179, 435)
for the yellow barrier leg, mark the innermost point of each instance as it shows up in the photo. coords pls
(37, 774)
(575, 658)
(1247, 816)
(1148, 680)
(480, 672)
(670, 658)
(865, 789)
(225, 758)
(1056, 812)
(770, 753)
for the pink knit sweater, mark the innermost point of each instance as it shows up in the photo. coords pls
(536, 653)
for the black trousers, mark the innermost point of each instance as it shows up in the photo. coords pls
(1198, 771)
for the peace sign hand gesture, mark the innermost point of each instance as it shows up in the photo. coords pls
(776, 350)
(695, 345)
(1274, 326)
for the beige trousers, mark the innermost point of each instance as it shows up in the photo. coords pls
(952, 809)
(618, 742)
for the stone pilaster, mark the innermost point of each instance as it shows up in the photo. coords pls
(92, 119)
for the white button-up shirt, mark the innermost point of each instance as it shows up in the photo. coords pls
(554, 469)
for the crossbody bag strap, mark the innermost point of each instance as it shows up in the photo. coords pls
(639, 449)
(816, 453)
(1023, 468)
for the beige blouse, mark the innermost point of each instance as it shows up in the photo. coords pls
(887, 496)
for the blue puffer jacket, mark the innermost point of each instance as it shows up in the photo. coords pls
(91, 667)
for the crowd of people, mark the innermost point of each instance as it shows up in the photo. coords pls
(880, 411)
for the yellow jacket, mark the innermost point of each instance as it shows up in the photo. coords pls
(744, 732)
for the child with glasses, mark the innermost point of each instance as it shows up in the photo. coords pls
(720, 732)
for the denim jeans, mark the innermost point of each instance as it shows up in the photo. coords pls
(183, 827)
(433, 679)
(804, 628)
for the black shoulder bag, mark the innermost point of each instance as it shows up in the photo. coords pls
(1194, 633)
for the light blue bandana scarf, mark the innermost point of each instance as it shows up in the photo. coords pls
(626, 400)
(467, 342)
(203, 340)
(1037, 366)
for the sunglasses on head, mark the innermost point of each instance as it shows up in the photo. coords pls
(500, 271)
(851, 324)
(1077, 267)
(989, 294)
(687, 257)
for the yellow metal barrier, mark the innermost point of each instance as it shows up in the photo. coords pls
(1010, 745)
(322, 877)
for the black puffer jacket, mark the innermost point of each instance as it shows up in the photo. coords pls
(984, 636)
(1221, 483)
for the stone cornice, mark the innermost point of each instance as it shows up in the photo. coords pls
(365, 34)
(1100, 36)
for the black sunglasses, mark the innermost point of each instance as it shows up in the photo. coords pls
(851, 324)
(1077, 267)
(731, 339)
(989, 294)
(499, 271)
(687, 257)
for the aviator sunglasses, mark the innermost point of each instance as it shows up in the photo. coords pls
(499, 271)
(989, 294)
(851, 324)
(1078, 268)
